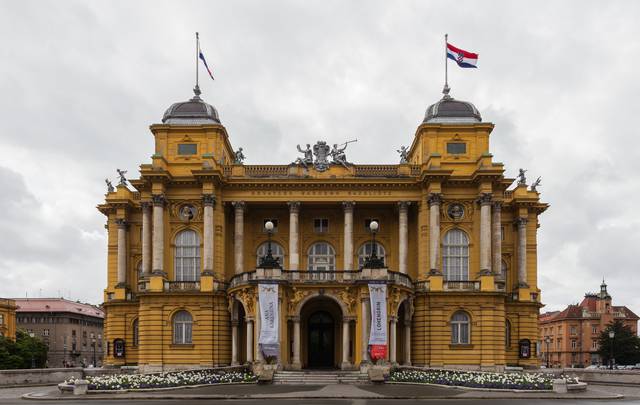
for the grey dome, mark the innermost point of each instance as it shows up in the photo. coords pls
(451, 110)
(192, 112)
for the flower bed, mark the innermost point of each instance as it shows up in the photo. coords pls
(167, 380)
(475, 379)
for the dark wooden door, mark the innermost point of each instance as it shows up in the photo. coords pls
(321, 340)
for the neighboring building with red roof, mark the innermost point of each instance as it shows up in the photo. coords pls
(71, 330)
(570, 337)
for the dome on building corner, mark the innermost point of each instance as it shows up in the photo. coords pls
(450, 110)
(192, 112)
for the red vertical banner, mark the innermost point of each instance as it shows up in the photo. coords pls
(378, 332)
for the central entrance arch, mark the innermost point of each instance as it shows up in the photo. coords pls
(321, 321)
(321, 340)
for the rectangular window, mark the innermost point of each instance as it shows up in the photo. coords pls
(594, 345)
(574, 344)
(45, 332)
(573, 330)
(320, 225)
(187, 149)
(594, 329)
(456, 148)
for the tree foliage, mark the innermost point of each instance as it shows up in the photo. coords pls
(626, 344)
(19, 354)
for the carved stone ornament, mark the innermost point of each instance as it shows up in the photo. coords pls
(322, 152)
(209, 200)
(347, 297)
(434, 199)
(158, 200)
(485, 199)
(187, 212)
(247, 297)
(455, 211)
(297, 296)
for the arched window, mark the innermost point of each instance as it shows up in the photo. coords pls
(460, 328)
(365, 251)
(182, 328)
(507, 333)
(135, 333)
(322, 257)
(276, 251)
(455, 256)
(187, 258)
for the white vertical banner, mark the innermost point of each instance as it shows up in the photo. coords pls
(269, 320)
(378, 332)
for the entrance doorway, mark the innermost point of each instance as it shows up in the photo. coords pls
(321, 340)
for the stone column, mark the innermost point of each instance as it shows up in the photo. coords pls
(403, 237)
(297, 364)
(146, 239)
(294, 254)
(345, 344)
(496, 236)
(434, 201)
(249, 341)
(347, 250)
(364, 324)
(122, 253)
(259, 356)
(407, 342)
(208, 201)
(485, 233)
(238, 238)
(234, 343)
(522, 252)
(158, 234)
(392, 339)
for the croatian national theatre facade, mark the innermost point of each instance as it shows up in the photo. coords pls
(456, 250)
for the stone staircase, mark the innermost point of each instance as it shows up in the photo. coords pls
(320, 377)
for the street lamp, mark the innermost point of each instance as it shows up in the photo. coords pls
(612, 335)
(373, 261)
(268, 261)
(547, 340)
(33, 359)
(93, 343)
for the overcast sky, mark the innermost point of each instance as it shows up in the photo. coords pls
(82, 81)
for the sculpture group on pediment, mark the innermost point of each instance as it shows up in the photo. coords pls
(110, 188)
(322, 152)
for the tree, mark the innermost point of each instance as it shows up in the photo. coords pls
(22, 352)
(626, 345)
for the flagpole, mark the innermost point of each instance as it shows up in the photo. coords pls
(197, 54)
(445, 90)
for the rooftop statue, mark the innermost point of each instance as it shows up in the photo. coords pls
(239, 157)
(123, 180)
(521, 177)
(110, 188)
(536, 183)
(308, 156)
(404, 152)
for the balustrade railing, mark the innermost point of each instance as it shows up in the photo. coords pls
(461, 285)
(184, 285)
(376, 170)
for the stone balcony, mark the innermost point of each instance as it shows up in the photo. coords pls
(321, 277)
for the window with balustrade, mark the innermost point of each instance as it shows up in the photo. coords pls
(455, 256)
(187, 256)
(321, 257)
(460, 328)
(277, 252)
(182, 328)
(365, 251)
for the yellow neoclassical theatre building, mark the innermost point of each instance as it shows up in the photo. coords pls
(195, 240)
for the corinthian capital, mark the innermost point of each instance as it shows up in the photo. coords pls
(485, 199)
(158, 200)
(122, 224)
(209, 200)
(294, 206)
(434, 199)
(239, 205)
(520, 221)
(348, 205)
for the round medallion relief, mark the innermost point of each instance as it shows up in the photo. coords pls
(187, 212)
(455, 211)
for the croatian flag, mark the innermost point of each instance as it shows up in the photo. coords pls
(463, 58)
(205, 65)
